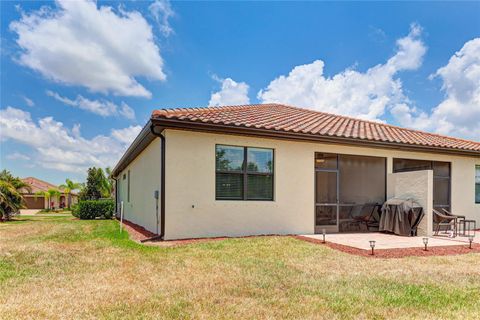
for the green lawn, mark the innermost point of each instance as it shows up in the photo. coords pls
(56, 267)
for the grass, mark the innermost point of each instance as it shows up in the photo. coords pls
(56, 267)
(58, 211)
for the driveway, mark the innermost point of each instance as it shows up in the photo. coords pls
(29, 211)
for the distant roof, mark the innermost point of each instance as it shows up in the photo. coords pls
(288, 119)
(40, 185)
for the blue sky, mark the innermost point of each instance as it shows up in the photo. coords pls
(79, 80)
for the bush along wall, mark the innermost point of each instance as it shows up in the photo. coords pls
(93, 209)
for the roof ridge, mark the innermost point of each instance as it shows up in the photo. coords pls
(50, 184)
(172, 111)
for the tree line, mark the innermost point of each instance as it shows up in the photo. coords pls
(99, 185)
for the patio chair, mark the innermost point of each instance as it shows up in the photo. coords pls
(444, 220)
(461, 222)
(448, 213)
(367, 216)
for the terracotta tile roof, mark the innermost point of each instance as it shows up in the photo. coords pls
(40, 185)
(284, 118)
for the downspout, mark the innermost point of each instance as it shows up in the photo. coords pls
(162, 187)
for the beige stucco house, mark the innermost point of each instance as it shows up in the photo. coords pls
(36, 199)
(276, 169)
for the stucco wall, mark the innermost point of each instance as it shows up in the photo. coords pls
(192, 211)
(144, 180)
(416, 185)
(55, 200)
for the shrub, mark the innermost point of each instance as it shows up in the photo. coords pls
(92, 209)
(74, 208)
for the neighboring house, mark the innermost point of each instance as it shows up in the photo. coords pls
(276, 169)
(36, 201)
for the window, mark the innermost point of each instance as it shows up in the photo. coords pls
(128, 187)
(243, 173)
(326, 161)
(404, 165)
(477, 184)
(441, 178)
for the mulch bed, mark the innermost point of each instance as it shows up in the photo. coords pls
(399, 252)
(139, 233)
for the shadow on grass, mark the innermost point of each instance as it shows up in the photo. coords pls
(15, 221)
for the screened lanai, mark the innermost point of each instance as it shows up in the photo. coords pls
(349, 192)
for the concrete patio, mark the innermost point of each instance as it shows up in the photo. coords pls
(389, 241)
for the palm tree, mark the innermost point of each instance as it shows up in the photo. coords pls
(11, 200)
(16, 182)
(45, 195)
(53, 193)
(67, 188)
(109, 182)
(48, 195)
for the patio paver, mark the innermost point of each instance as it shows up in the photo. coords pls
(388, 241)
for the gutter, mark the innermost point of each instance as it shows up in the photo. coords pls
(162, 187)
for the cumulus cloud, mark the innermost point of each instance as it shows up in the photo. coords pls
(57, 147)
(459, 113)
(162, 11)
(79, 43)
(101, 107)
(366, 95)
(18, 156)
(231, 93)
(126, 135)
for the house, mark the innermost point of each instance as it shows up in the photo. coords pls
(35, 200)
(278, 169)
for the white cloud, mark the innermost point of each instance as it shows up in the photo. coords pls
(231, 93)
(162, 11)
(28, 101)
(126, 135)
(18, 156)
(78, 43)
(101, 107)
(459, 113)
(365, 95)
(59, 148)
(125, 111)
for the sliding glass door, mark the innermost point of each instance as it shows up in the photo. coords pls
(348, 191)
(326, 204)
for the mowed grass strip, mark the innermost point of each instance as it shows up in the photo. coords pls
(56, 267)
